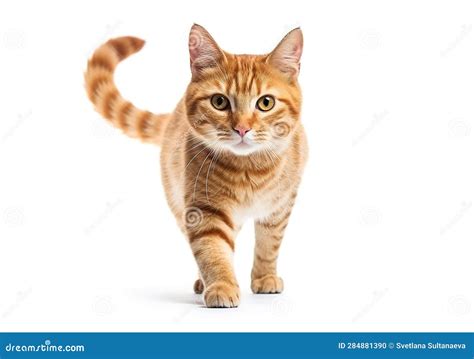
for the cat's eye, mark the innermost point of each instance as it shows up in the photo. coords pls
(265, 103)
(220, 102)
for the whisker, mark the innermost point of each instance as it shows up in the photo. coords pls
(197, 176)
(216, 153)
(192, 159)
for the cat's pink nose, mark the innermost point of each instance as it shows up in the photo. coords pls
(241, 130)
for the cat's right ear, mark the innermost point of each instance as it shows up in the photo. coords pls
(203, 50)
(287, 55)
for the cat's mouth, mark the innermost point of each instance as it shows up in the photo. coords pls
(242, 147)
(243, 144)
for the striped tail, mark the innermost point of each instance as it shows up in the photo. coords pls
(107, 100)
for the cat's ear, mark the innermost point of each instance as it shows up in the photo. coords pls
(286, 56)
(203, 50)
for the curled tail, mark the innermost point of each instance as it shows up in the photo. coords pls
(103, 93)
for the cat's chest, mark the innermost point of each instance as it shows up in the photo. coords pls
(259, 207)
(259, 204)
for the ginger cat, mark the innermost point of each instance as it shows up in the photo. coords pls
(234, 148)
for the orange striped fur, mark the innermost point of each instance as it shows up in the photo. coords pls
(234, 148)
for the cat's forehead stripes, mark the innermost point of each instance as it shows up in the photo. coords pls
(243, 79)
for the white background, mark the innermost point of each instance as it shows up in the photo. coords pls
(381, 238)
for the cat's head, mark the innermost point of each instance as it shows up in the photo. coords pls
(244, 103)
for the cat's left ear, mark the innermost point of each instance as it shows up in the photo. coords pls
(203, 50)
(286, 56)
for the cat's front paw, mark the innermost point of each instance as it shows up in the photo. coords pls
(198, 286)
(222, 295)
(267, 284)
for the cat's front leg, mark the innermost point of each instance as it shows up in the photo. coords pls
(268, 238)
(210, 233)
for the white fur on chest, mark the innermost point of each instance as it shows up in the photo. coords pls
(259, 209)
